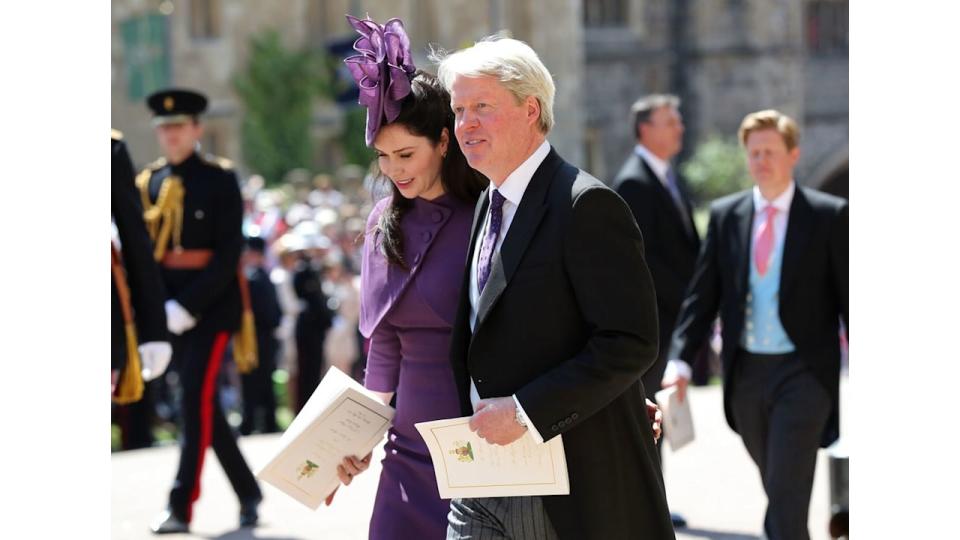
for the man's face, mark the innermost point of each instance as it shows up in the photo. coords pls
(662, 134)
(495, 132)
(178, 140)
(770, 163)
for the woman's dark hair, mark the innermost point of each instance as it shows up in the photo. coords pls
(425, 112)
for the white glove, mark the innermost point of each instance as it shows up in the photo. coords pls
(179, 319)
(154, 358)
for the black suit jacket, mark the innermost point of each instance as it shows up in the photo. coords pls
(671, 247)
(142, 273)
(212, 219)
(813, 287)
(263, 302)
(567, 322)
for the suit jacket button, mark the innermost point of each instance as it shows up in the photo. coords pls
(553, 427)
(574, 416)
(198, 214)
(427, 235)
(437, 216)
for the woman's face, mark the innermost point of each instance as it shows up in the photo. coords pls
(411, 162)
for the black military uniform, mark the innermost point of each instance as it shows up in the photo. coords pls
(194, 213)
(137, 296)
(259, 400)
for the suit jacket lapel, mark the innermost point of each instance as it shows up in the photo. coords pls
(667, 199)
(798, 232)
(522, 228)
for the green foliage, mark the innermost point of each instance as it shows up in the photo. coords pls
(353, 137)
(717, 168)
(277, 89)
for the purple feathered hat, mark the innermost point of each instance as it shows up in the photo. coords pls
(382, 70)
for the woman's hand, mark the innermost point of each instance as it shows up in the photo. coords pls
(348, 469)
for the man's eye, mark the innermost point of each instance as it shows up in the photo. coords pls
(405, 156)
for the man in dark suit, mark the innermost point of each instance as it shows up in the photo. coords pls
(259, 399)
(774, 265)
(650, 185)
(193, 212)
(546, 339)
(139, 327)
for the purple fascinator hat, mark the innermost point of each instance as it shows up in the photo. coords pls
(382, 69)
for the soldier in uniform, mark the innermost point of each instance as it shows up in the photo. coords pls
(140, 348)
(259, 400)
(194, 212)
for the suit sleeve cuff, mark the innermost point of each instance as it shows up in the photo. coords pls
(526, 420)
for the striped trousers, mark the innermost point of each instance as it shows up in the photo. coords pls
(497, 518)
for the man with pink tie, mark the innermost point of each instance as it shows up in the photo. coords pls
(774, 265)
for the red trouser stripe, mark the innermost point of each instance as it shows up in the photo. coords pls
(208, 396)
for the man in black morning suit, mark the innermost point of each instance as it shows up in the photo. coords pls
(547, 340)
(774, 264)
(650, 185)
(194, 213)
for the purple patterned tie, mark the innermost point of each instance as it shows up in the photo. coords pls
(490, 240)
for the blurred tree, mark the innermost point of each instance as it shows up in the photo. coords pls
(353, 137)
(716, 168)
(277, 89)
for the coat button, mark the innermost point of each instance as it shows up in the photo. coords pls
(574, 416)
(426, 236)
(554, 427)
(198, 214)
(479, 380)
(437, 216)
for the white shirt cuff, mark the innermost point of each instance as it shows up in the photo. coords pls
(677, 368)
(526, 420)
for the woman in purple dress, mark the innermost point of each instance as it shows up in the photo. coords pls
(413, 262)
(414, 254)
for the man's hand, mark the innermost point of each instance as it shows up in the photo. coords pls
(347, 470)
(677, 374)
(154, 358)
(495, 421)
(656, 419)
(179, 319)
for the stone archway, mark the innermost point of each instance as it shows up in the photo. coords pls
(837, 183)
(832, 175)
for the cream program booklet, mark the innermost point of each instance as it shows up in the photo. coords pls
(677, 418)
(340, 419)
(467, 466)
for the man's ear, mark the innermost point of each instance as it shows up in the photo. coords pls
(533, 109)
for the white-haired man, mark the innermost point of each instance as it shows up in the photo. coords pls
(547, 338)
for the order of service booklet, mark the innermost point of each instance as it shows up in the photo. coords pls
(340, 419)
(467, 466)
(677, 417)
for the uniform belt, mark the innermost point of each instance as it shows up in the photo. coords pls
(187, 259)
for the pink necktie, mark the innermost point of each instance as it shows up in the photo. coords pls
(763, 243)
